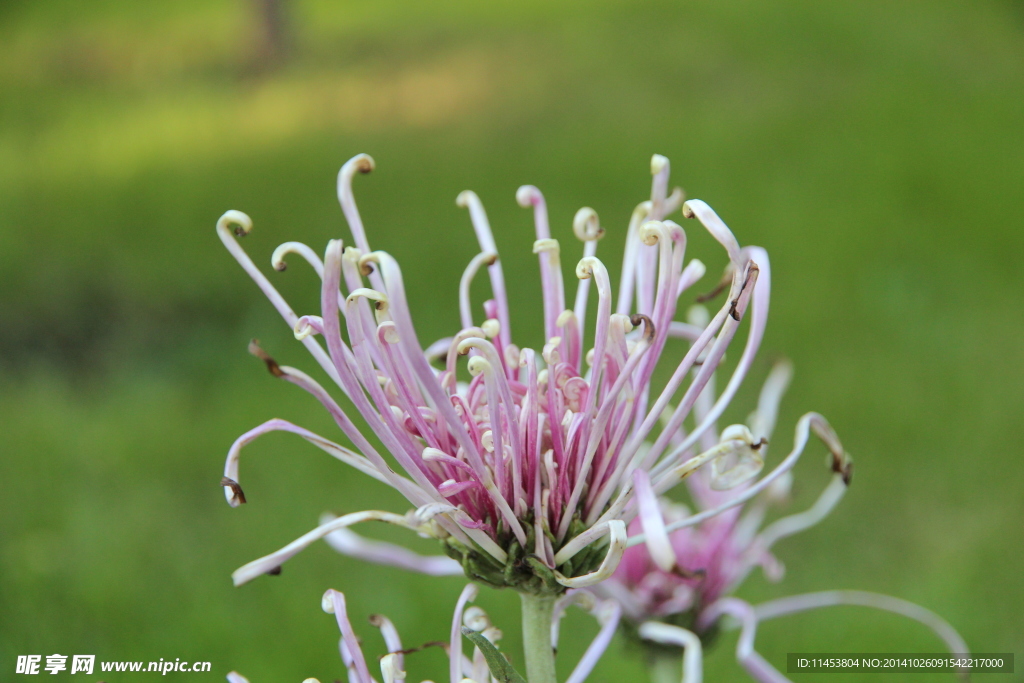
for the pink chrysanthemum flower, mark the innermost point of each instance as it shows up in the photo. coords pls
(526, 472)
(675, 588)
(469, 622)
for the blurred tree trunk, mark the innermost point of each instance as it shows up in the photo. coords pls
(273, 41)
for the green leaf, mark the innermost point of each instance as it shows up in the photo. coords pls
(496, 662)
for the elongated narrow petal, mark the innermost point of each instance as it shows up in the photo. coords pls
(662, 552)
(756, 665)
(334, 603)
(349, 543)
(616, 546)
(468, 594)
(793, 524)
(341, 453)
(607, 614)
(808, 601)
(271, 562)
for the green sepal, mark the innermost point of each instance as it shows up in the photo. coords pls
(545, 574)
(515, 554)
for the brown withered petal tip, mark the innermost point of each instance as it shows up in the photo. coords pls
(752, 271)
(732, 310)
(637, 319)
(708, 296)
(845, 469)
(424, 646)
(236, 489)
(272, 366)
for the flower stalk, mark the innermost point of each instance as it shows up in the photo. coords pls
(540, 655)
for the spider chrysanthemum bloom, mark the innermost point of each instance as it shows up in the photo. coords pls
(526, 471)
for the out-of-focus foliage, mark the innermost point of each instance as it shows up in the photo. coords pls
(874, 148)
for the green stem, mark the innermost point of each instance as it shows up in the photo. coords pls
(540, 656)
(667, 668)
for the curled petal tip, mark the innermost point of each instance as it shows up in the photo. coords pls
(279, 264)
(478, 364)
(327, 601)
(232, 491)
(649, 331)
(528, 195)
(241, 221)
(353, 254)
(367, 262)
(302, 329)
(388, 333)
(740, 445)
(586, 225)
(653, 231)
(379, 299)
(476, 619)
(585, 268)
(491, 327)
(363, 163)
(464, 198)
(464, 346)
(843, 466)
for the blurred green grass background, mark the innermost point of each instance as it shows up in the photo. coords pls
(876, 149)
